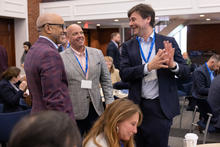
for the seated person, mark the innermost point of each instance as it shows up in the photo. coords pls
(214, 100)
(115, 77)
(12, 89)
(45, 129)
(116, 126)
(114, 72)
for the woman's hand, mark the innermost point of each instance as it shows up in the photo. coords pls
(23, 86)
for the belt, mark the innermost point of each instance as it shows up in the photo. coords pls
(155, 99)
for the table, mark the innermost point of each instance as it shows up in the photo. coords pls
(209, 145)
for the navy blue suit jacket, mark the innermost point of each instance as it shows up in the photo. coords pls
(113, 51)
(9, 96)
(201, 82)
(214, 99)
(132, 71)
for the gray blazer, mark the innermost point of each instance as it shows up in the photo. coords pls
(98, 73)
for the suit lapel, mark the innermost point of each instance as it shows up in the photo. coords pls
(135, 51)
(207, 74)
(158, 43)
(92, 63)
(72, 59)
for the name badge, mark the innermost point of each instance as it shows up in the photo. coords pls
(86, 84)
(151, 76)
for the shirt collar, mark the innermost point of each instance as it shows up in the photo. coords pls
(78, 53)
(148, 39)
(115, 43)
(49, 40)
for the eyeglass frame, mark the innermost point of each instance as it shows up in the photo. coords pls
(61, 25)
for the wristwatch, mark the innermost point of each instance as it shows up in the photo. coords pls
(174, 67)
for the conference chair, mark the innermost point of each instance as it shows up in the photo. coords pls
(7, 122)
(205, 124)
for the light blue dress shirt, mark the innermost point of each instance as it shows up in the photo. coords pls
(150, 86)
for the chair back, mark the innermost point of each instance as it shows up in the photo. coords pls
(8, 121)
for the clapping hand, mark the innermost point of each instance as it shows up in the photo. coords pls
(160, 60)
(169, 51)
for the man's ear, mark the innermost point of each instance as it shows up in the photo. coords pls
(148, 19)
(47, 29)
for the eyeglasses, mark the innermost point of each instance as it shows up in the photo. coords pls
(61, 25)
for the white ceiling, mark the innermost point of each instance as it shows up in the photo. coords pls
(123, 22)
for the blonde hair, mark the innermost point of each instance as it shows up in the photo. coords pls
(110, 59)
(115, 113)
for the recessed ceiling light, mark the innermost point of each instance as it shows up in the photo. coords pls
(116, 20)
(157, 18)
(79, 22)
(98, 25)
(202, 15)
(208, 19)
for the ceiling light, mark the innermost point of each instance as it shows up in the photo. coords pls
(98, 25)
(116, 20)
(202, 15)
(157, 18)
(208, 19)
(79, 22)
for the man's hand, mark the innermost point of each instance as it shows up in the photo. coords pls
(169, 54)
(159, 61)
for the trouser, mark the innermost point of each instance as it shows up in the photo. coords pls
(155, 128)
(86, 124)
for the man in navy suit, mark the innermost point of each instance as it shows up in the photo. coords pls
(44, 68)
(203, 76)
(150, 62)
(113, 50)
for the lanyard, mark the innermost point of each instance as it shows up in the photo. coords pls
(210, 72)
(151, 48)
(86, 63)
(121, 143)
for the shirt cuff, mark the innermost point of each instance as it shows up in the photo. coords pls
(146, 69)
(176, 69)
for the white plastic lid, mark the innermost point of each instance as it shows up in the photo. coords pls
(191, 136)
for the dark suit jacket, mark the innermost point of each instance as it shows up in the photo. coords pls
(214, 99)
(201, 82)
(10, 97)
(113, 51)
(3, 59)
(46, 78)
(132, 71)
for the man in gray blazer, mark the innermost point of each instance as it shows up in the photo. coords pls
(86, 69)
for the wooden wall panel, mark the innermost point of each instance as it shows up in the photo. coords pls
(204, 37)
(99, 38)
(7, 39)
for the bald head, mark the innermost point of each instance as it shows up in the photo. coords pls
(72, 27)
(76, 37)
(50, 18)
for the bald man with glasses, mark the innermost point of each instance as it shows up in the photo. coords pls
(44, 68)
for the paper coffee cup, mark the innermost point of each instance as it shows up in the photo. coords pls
(192, 138)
